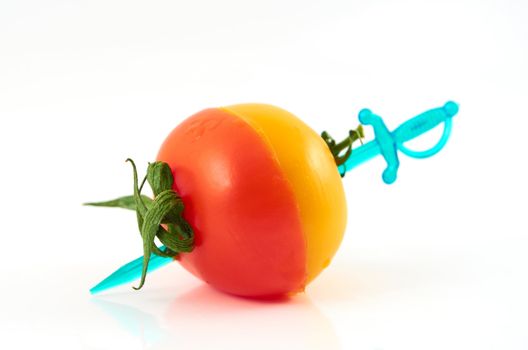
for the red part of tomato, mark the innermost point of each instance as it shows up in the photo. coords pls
(249, 238)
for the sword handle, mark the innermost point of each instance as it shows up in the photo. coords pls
(390, 142)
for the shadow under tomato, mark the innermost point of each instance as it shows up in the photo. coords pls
(220, 320)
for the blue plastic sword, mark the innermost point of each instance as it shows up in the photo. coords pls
(385, 142)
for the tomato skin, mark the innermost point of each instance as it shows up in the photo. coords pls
(262, 192)
(310, 169)
(249, 238)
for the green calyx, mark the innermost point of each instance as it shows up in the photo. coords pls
(341, 151)
(160, 217)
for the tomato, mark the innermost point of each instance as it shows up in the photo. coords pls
(262, 192)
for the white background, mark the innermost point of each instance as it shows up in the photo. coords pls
(436, 261)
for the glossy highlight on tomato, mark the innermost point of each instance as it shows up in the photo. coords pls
(263, 195)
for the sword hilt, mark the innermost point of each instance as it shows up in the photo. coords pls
(385, 141)
(390, 142)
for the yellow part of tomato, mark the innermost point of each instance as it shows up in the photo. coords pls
(311, 171)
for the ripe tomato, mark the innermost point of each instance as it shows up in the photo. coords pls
(263, 195)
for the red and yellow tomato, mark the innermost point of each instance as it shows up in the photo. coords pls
(263, 195)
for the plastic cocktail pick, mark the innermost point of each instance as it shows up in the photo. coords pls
(386, 143)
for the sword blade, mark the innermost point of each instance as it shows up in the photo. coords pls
(360, 155)
(130, 272)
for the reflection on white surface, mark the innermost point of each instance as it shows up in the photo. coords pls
(203, 318)
(136, 322)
